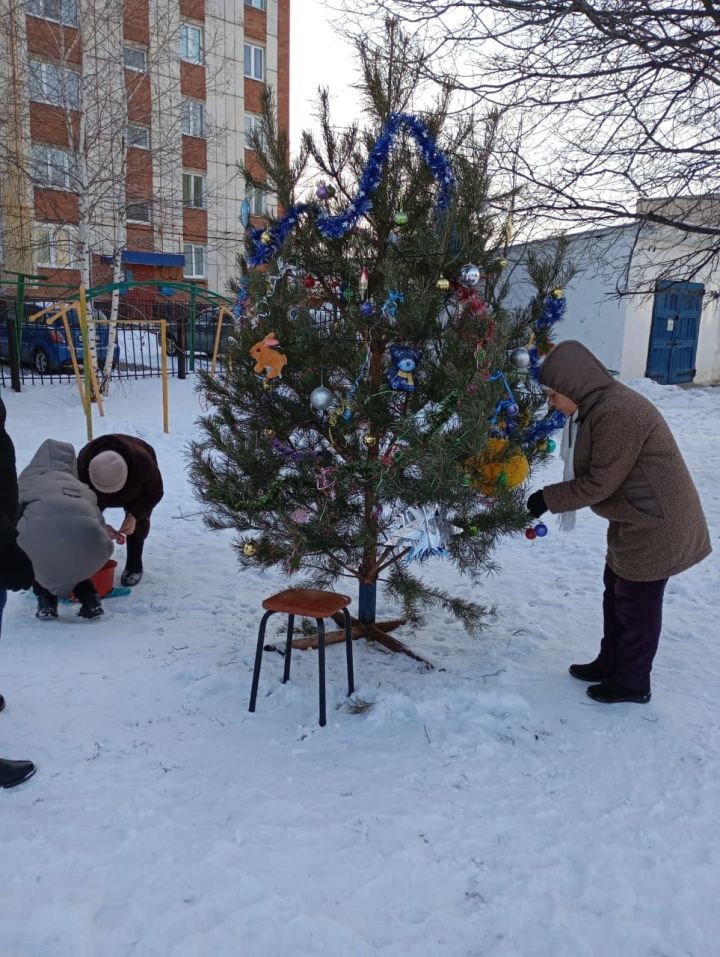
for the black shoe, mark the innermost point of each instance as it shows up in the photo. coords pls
(591, 672)
(612, 692)
(2, 703)
(15, 772)
(131, 578)
(47, 607)
(90, 607)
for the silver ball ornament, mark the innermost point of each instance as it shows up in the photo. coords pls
(470, 275)
(520, 358)
(321, 398)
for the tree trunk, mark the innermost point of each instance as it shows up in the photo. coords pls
(112, 328)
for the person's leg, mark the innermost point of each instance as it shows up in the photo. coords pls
(3, 599)
(638, 606)
(12, 772)
(604, 665)
(47, 603)
(135, 544)
(90, 606)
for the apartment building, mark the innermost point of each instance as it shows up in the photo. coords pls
(121, 130)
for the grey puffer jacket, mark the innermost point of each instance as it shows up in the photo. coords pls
(61, 527)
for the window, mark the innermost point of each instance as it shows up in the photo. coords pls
(195, 261)
(253, 124)
(191, 43)
(257, 4)
(193, 118)
(56, 246)
(194, 190)
(51, 166)
(138, 136)
(61, 11)
(53, 84)
(254, 60)
(135, 58)
(138, 213)
(257, 200)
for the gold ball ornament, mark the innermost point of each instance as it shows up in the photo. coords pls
(249, 549)
(269, 433)
(266, 238)
(557, 293)
(492, 468)
(442, 284)
(369, 440)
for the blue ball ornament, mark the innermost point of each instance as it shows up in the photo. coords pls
(541, 530)
(367, 308)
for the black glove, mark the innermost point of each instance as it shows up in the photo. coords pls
(536, 504)
(16, 569)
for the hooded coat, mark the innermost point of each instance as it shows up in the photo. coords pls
(61, 527)
(8, 485)
(143, 487)
(628, 469)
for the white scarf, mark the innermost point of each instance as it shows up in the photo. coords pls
(566, 520)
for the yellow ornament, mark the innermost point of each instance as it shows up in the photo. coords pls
(369, 440)
(443, 285)
(557, 293)
(492, 468)
(502, 263)
(266, 238)
(269, 433)
(249, 549)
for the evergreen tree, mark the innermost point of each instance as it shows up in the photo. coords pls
(364, 423)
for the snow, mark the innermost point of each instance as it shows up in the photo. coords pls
(487, 807)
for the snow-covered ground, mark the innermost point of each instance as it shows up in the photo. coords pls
(485, 808)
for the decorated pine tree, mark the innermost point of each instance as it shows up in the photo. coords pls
(379, 410)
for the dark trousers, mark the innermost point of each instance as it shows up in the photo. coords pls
(632, 613)
(135, 544)
(84, 589)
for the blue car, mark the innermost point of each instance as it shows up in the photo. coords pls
(45, 347)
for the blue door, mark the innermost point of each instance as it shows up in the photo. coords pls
(675, 330)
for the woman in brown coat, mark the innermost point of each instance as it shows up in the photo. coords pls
(629, 470)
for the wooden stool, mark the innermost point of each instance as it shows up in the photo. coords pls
(309, 603)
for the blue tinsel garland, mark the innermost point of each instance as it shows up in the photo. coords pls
(335, 226)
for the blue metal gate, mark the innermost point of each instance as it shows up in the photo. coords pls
(675, 330)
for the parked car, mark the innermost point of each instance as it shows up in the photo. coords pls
(45, 347)
(205, 332)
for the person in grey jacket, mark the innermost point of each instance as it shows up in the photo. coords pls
(62, 530)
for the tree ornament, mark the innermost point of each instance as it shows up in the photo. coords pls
(530, 534)
(470, 275)
(364, 282)
(473, 529)
(267, 359)
(493, 467)
(348, 294)
(467, 480)
(541, 530)
(369, 440)
(367, 308)
(442, 284)
(249, 549)
(401, 218)
(424, 532)
(266, 237)
(269, 433)
(502, 263)
(394, 238)
(520, 358)
(322, 192)
(321, 398)
(557, 293)
(245, 211)
(331, 191)
(404, 360)
(550, 445)
(309, 281)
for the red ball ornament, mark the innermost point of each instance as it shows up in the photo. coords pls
(309, 282)
(530, 534)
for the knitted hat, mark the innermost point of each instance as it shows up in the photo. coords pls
(108, 472)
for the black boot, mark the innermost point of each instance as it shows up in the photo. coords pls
(90, 606)
(593, 671)
(130, 577)
(15, 772)
(2, 703)
(47, 606)
(612, 692)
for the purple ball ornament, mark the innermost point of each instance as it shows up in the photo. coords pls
(367, 308)
(322, 192)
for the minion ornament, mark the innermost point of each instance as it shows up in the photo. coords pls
(403, 362)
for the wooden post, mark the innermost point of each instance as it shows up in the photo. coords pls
(221, 315)
(163, 355)
(73, 355)
(86, 367)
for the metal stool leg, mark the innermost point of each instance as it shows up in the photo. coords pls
(288, 647)
(321, 667)
(258, 660)
(349, 651)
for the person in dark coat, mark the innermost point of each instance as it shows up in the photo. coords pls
(16, 572)
(123, 472)
(628, 469)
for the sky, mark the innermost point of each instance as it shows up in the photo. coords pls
(317, 58)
